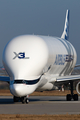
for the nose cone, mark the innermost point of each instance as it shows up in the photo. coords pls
(20, 90)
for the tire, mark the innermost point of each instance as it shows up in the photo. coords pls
(16, 99)
(23, 100)
(68, 97)
(27, 101)
(75, 97)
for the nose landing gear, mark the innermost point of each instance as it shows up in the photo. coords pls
(22, 99)
(25, 99)
(16, 99)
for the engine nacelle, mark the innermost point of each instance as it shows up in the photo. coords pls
(78, 88)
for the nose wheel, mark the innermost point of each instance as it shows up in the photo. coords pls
(22, 99)
(25, 100)
(15, 99)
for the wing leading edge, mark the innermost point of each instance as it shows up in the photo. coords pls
(66, 78)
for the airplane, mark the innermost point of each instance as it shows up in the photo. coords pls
(39, 63)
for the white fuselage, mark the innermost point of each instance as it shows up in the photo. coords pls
(35, 60)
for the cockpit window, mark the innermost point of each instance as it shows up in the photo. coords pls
(27, 82)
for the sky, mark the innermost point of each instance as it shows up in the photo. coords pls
(39, 17)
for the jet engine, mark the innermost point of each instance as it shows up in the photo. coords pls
(78, 88)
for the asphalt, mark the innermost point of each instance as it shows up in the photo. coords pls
(40, 105)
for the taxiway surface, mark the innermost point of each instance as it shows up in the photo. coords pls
(40, 105)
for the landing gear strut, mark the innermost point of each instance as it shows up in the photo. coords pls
(22, 99)
(71, 96)
(25, 99)
(16, 99)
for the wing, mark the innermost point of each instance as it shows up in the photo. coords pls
(5, 78)
(65, 78)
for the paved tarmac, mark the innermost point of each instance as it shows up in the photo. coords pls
(40, 105)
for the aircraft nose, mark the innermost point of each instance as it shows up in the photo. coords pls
(20, 90)
(16, 89)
